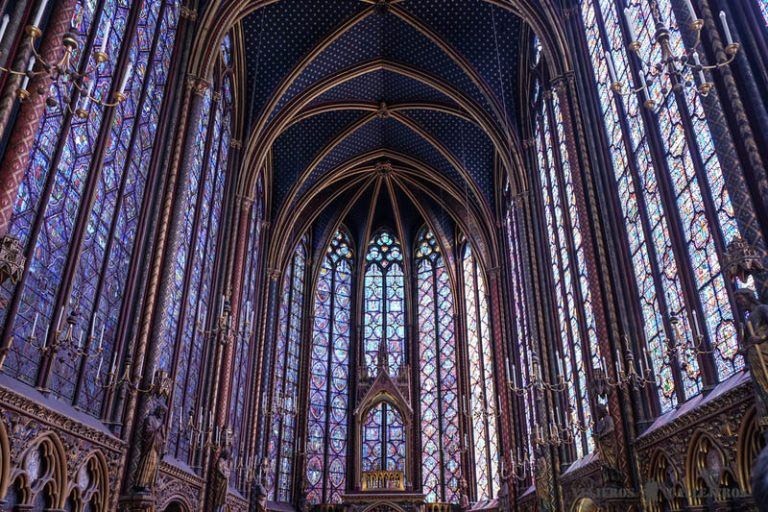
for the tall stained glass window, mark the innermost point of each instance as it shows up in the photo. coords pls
(80, 210)
(520, 370)
(384, 303)
(578, 343)
(281, 442)
(194, 279)
(676, 206)
(383, 439)
(440, 437)
(483, 403)
(328, 415)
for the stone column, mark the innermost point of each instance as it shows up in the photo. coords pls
(17, 153)
(167, 243)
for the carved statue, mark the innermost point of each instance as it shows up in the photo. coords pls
(606, 443)
(152, 447)
(463, 494)
(220, 481)
(754, 339)
(303, 502)
(258, 497)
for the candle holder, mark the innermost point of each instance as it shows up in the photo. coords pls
(65, 71)
(678, 71)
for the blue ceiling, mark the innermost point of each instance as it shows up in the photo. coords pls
(485, 38)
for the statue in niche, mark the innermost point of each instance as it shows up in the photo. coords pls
(220, 481)
(606, 443)
(463, 494)
(754, 339)
(258, 497)
(152, 448)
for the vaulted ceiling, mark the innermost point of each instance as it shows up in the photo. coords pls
(338, 87)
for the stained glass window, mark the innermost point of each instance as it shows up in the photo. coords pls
(282, 413)
(572, 295)
(192, 312)
(383, 433)
(328, 415)
(520, 371)
(440, 437)
(678, 201)
(92, 229)
(483, 402)
(384, 303)
(243, 378)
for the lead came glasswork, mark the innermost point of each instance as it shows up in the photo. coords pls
(440, 439)
(328, 413)
(485, 442)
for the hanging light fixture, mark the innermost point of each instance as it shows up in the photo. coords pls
(65, 71)
(672, 70)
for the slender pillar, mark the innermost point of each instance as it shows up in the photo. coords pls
(167, 243)
(17, 154)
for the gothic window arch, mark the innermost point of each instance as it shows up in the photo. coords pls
(384, 302)
(439, 384)
(282, 413)
(328, 413)
(383, 429)
(674, 198)
(78, 211)
(482, 393)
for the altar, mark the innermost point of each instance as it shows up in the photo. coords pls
(383, 442)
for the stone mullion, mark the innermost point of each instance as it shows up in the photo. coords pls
(594, 250)
(18, 151)
(161, 279)
(462, 358)
(15, 51)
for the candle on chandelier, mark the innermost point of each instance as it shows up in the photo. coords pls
(105, 36)
(611, 69)
(691, 10)
(34, 325)
(40, 12)
(726, 28)
(24, 84)
(126, 77)
(630, 26)
(101, 336)
(4, 25)
(101, 361)
(45, 336)
(697, 61)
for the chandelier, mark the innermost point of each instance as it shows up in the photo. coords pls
(65, 70)
(672, 70)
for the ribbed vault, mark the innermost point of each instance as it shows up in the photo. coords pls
(336, 89)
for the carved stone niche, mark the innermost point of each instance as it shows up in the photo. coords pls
(50, 458)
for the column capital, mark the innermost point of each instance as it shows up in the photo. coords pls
(197, 84)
